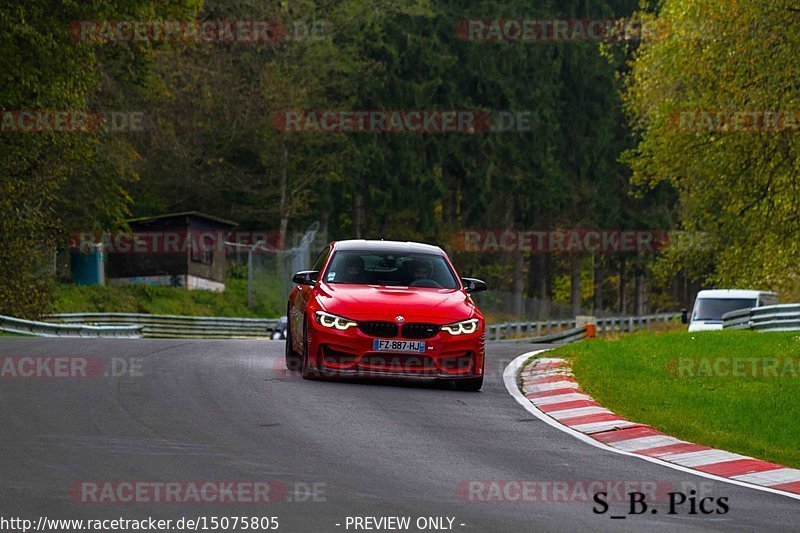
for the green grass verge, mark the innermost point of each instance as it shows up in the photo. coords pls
(677, 383)
(267, 298)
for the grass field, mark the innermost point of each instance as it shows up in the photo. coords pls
(267, 299)
(734, 390)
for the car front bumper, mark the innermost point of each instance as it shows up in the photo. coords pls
(350, 353)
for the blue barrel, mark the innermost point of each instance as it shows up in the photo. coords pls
(88, 268)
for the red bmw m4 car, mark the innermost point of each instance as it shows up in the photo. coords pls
(383, 308)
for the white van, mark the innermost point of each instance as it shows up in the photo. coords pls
(710, 305)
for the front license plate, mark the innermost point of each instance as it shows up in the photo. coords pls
(386, 345)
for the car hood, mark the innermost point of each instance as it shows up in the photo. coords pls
(370, 302)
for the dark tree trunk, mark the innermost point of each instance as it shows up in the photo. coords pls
(575, 284)
(599, 272)
(622, 301)
(519, 285)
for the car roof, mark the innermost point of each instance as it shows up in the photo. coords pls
(732, 293)
(387, 246)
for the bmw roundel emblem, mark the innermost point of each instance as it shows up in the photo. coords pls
(400, 318)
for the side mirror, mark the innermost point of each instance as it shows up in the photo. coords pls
(474, 285)
(684, 316)
(306, 277)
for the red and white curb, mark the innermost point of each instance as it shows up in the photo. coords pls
(550, 392)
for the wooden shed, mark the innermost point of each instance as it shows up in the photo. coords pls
(180, 249)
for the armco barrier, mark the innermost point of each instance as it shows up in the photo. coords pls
(175, 326)
(562, 337)
(178, 327)
(535, 330)
(783, 317)
(736, 319)
(46, 329)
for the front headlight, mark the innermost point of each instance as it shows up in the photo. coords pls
(332, 321)
(462, 328)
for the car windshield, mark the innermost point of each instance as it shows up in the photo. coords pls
(399, 268)
(714, 308)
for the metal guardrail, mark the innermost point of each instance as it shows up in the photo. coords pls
(783, 317)
(562, 337)
(47, 329)
(629, 324)
(536, 330)
(739, 319)
(177, 326)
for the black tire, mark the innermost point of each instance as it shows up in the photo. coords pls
(469, 385)
(305, 370)
(292, 357)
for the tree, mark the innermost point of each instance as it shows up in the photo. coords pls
(736, 174)
(44, 69)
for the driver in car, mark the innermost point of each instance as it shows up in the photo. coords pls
(421, 270)
(354, 270)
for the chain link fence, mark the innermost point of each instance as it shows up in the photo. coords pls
(269, 269)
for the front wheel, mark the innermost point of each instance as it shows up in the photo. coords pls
(306, 370)
(469, 385)
(292, 359)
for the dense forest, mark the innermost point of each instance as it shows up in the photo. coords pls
(578, 134)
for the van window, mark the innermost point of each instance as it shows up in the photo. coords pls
(711, 309)
(767, 299)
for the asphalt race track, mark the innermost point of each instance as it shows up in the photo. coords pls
(227, 410)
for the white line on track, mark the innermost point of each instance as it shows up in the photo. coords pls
(510, 379)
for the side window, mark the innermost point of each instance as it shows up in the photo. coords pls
(321, 259)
